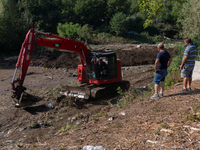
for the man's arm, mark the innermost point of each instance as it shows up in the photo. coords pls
(156, 65)
(183, 61)
(169, 62)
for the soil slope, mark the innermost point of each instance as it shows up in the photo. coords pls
(171, 122)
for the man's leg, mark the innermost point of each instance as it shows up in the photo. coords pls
(184, 89)
(189, 82)
(185, 83)
(156, 86)
(162, 83)
(155, 96)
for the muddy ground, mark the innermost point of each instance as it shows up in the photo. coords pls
(171, 122)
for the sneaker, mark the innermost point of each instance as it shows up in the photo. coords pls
(189, 89)
(183, 90)
(160, 94)
(155, 96)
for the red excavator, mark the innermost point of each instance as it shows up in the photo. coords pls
(99, 71)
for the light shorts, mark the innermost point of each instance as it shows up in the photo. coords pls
(160, 76)
(186, 72)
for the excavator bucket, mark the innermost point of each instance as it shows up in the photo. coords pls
(24, 100)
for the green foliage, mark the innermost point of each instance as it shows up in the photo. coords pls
(86, 33)
(153, 8)
(67, 128)
(43, 15)
(90, 11)
(190, 21)
(115, 6)
(177, 59)
(12, 27)
(119, 23)
(120, 91)
(174, 69)
(164, 125)
(68, 30)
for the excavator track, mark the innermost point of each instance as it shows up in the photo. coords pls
(88, 91)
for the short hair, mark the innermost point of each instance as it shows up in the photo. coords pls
(188, 40)
(161, 46)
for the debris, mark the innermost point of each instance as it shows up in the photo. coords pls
(89, 147)
(50, 106)
(71, 74)
(166, 130)
(10, 141)
(195, 129)
(153, 142)
(21, 129)
(122, 113)
(49, 77)
(73, 119)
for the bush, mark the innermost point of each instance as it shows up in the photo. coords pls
(119, 23)
(174, 69)
(68, 30)
(86, 33)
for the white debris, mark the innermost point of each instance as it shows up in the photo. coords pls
(166, 130)
(153, 142)
(122, 113)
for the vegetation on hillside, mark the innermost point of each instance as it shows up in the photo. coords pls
(98, 21)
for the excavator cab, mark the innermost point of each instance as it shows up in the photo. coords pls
(102, 65)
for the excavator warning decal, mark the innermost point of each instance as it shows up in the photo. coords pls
(57, 45)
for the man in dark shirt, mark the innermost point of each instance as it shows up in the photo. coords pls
(163, 61)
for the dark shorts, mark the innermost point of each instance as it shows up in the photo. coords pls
(160, 76)
(186, 72)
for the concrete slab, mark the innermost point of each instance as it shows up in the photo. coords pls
(196, 71)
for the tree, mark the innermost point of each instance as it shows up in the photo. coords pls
(191, 18)
(12, 26)
(153, 8)
(45, 15)
(115, 6)
(119, 23)
(68, 30)
(90, 11)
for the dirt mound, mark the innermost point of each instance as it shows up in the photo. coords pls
(62, 59)
(55, 59)
(139, 56)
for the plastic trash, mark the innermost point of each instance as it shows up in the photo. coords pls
(89, 147)
(98, 148)
(50, 106)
